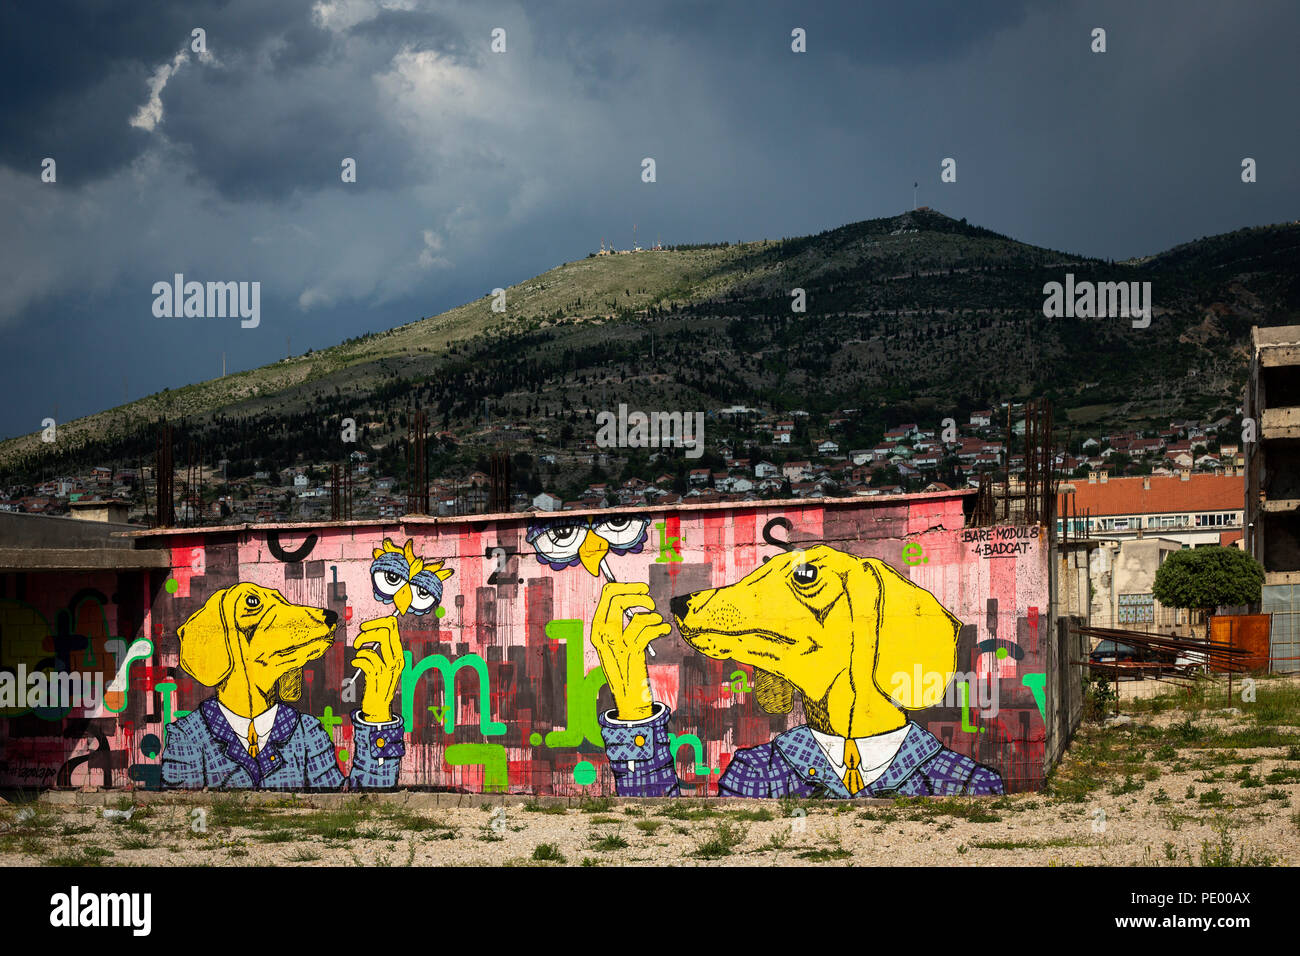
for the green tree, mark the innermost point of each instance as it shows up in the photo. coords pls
(1208, 577)
(886, 476)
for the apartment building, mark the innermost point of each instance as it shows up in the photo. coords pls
(1137, 523)
(1189, 508)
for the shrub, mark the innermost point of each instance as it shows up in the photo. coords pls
(547, 852)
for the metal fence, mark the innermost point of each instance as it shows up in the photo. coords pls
(1283, 602)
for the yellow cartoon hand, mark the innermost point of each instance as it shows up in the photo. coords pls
(622, 647)
(382, 665)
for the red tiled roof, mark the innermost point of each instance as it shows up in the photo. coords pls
(1167, 495)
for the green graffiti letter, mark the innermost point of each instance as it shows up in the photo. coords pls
(580, 690)
(412, 673)
(167, 689)
(675, 741)
(492, 757)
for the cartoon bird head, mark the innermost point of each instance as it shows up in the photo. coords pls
(565, 542)
(401, 578)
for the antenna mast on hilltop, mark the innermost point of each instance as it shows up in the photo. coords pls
(914, 186)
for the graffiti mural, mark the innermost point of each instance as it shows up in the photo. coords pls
(834, 627)
(559, 641)
(252, 644)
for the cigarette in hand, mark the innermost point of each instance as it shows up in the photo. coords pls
(629, 613)
(370, 644)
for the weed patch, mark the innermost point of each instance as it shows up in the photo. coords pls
(548, 853)
(726, 837)
(824, 855)
(609, 842)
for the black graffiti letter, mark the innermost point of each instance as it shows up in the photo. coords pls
(273, 545)
(767, 534)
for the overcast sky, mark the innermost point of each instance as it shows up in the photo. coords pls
(477, 169)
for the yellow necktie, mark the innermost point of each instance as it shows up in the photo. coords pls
(252, 740)
(852, 778)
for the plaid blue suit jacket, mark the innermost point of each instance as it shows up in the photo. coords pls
(789, 765)
(203, 751)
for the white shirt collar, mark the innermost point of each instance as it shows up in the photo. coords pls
(263, 722)
(877, 751)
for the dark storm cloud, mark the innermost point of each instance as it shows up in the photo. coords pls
(301, 44)
(258, 134)
(417, 29)
(913, 33)
(73, 72)
(477, 170)
(250, 136)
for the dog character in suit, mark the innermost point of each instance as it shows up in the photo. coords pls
(251, 644)
(837, 628)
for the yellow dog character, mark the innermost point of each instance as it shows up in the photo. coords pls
(836, 627)
(251, 644)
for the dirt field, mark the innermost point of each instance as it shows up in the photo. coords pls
(1183, 781)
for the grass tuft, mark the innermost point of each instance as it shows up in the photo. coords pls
(609, 842)
(548, 852)
(533, 806)
(726, 837)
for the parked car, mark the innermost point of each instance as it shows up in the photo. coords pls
(1191, 662)
(1112, 652)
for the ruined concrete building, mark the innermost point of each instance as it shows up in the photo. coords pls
(1272, 412)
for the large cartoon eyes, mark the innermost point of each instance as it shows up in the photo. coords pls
(560, 544)
(388, 582)
(621, 532)
(252, 602)
(421, 600)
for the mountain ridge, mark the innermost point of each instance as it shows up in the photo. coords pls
(935, 278)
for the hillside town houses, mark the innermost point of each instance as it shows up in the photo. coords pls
(759, 455)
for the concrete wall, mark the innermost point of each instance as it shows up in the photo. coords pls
(512, 633)
(48, 531)
(1073, 580)
(1129, 568)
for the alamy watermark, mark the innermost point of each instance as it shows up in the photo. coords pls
(62, 691)
(75, 909)
(1099, 300)
(655, 430)
(215, 300)
(934, 687)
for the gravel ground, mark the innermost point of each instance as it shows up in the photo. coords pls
(1192, 786)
